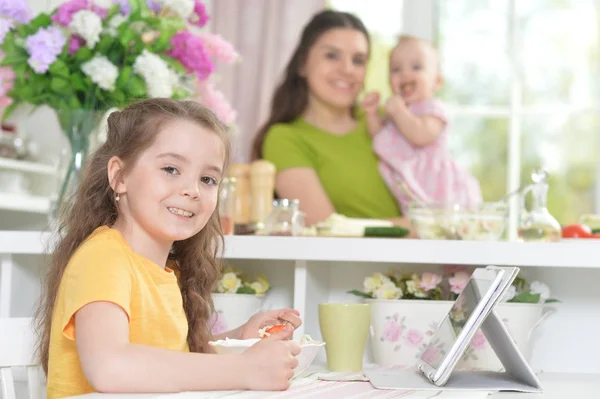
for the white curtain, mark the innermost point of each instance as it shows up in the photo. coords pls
(265, 32)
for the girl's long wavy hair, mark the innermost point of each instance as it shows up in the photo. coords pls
(130, 132)
(291, 95)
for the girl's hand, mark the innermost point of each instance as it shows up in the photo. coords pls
(371, 103)
(395, 105)
(270, 363)
(289, 317)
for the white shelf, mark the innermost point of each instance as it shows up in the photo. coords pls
(26, 166)
(24, 203)
(569, 254)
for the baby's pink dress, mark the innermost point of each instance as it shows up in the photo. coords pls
(429, 171)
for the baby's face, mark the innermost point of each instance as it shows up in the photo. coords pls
(413, 71)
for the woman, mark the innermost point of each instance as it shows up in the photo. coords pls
(315, 135)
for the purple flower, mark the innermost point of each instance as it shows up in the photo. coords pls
(5, 26)
(200, 16)
(190, 51)
(16, 9)
(65, 12)
(154, 5)
(43, 47)
(75, 43)
(125, 8)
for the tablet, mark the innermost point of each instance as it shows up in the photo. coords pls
(454, 333)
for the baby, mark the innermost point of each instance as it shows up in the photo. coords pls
(412, 140)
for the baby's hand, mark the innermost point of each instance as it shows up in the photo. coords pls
(371, 103)
(270, 363)
(395, 104)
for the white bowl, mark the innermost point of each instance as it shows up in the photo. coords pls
(234, 346)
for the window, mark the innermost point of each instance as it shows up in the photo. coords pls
(522, 82)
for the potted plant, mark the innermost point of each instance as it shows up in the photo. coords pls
(406, 309)
(236, 298)
(87, 57)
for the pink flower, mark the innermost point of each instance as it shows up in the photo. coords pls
(392, 331)
(214, 100)
(454, 268)
(220, 48)
(65, 12)
(430, 355)
(75, 43)
(191, 52)
(430, 281)
(218, 324)
(478, 342)
(414, 337)
(200, 16)
(458, 282)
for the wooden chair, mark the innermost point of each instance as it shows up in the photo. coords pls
(17, 342)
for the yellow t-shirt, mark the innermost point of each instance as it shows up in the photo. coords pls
(106, 268)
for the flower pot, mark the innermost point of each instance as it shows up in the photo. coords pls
(521, 320)
(401, 330)
(233, 310)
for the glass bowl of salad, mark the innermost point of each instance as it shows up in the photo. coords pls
(485, 222)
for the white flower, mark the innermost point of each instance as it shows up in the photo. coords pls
(184, 8)
(388, 290)
(229, 283)
(102, 72)
(413, 287)
(371, 284)
(88, 25)
(260, 286)
(538, 287)
(160, 79)
(104, 3)
(510, 294)
(114, 23)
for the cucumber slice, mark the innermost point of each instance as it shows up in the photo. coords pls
(393, 231)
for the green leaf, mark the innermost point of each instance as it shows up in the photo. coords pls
(83, 54)
(9, 110)
(552, 301)
(105, 43)
(78, 82)
(59, 85)
(41, 21)
(244, 289)
(74, 102)
(136, 87)
(126, 37)
(360, 294)
(174, 64)
(60, 69)
(526, 297)
(124, 76)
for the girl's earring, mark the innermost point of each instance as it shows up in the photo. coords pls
(117, 197)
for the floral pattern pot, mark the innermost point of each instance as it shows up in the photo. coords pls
(233, 310)
(402, 329)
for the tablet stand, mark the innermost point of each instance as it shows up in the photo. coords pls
(518, 375)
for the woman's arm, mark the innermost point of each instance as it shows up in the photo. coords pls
(304, 184)
(111, 364)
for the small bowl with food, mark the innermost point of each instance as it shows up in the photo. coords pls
(485, 222)
(309, 347)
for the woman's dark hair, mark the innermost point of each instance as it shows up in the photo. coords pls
(291, 96)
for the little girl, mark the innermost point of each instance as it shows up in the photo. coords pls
(412, 141)
(128, 297)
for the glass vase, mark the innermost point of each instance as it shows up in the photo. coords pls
(78, 125)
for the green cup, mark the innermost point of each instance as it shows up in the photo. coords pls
(345, 330)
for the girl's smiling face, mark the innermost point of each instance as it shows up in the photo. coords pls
(171, 191)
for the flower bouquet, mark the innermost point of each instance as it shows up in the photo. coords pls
(88, 56)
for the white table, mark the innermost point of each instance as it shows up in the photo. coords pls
(556, 386)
